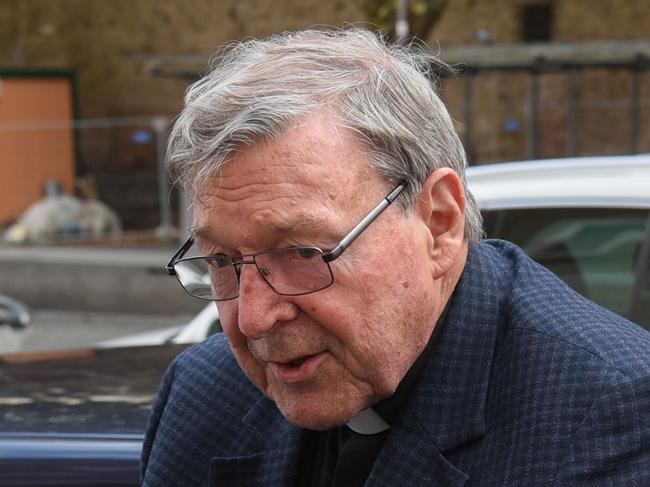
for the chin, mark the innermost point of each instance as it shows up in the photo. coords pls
(314, 422)
(318, 415)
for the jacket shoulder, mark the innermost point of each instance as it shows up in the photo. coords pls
(568, 383)
(198, 414)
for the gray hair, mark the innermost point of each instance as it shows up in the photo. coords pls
(381, 92)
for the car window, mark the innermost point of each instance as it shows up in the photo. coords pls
(599, 252)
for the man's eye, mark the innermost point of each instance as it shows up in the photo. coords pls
(220, 260)
(307, 253)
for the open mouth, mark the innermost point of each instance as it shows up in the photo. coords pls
(297, 362)
(298, 369)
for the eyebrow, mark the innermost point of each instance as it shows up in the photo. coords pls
(203, 232)
(309, 225)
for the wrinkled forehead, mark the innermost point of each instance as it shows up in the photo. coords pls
(311, 179)
(315, 156)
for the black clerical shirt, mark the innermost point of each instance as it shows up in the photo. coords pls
(340, 457)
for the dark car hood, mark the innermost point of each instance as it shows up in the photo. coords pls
(105, 391)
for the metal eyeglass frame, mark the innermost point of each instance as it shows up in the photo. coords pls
(327, 256)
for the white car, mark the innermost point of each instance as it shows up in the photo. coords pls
(587, 219)
(204, 324)
(581, 182)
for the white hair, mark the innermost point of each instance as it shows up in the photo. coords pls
(381, 92)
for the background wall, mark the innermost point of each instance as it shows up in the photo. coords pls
(114, 47)
(133, 60)
(482, 32)
(572, 20)
(108, 41)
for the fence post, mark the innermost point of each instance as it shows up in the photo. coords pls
(467, 113)
(635, 115)
(166, 228)
(571, 114)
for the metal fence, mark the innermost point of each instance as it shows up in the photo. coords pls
(121, 158)
(551, 109)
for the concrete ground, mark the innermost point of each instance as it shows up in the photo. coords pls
(64, 330)
(82, 294)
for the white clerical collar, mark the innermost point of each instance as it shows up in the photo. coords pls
(367, 422)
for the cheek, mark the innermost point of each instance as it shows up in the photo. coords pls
(363, 335)
(228, 314)
(239, 345)
(381, 315)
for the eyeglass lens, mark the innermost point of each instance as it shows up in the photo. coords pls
(291, 271)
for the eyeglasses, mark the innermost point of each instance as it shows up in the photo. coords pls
(292, 271)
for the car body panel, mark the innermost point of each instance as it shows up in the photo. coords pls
(611, 182)
(83, 391)
(78, 417)
(153, 337)
(69, 460)
(586, 219)
(204, 324)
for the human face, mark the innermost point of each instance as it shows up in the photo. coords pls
(321, 357)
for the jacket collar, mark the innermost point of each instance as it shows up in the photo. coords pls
(446, 409)
(449, 402)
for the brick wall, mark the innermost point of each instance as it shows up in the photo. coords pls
(574, 20)
(501, 101)
(102, 40)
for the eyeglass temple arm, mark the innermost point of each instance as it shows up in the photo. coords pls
(169, 266)
(363, 224)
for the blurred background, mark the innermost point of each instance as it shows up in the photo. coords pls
(88, 89)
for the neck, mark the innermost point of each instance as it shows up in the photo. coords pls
(450, 279)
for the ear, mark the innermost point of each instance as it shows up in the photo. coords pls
(441, 205)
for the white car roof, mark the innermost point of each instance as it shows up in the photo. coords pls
(609, 181)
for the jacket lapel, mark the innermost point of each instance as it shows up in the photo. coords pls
(276, 446)
(409, 457)
(446, 409)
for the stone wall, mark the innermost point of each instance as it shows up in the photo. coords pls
(501, 100)
(573, 20)
(112, 45)
(102, 41)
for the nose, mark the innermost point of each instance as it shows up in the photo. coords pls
(260, 308)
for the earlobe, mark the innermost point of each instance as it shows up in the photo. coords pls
(441, 205)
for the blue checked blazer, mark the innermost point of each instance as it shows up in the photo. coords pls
(528, 385)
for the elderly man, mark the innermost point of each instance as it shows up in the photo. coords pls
(370, 338)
